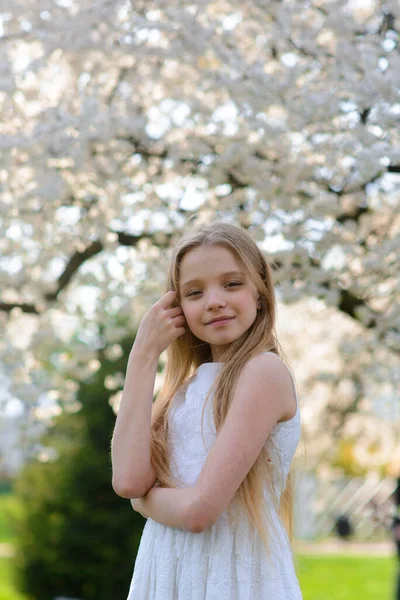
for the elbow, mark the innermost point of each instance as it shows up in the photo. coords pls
(133, 484)
(122, 489)
(199, 525)
(127, 489)
(199, 519)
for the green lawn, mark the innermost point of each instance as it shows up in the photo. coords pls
(346, 577)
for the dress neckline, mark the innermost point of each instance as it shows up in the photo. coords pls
(209, 364)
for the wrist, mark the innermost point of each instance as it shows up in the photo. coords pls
(143, 355)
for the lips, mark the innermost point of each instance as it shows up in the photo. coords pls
(219, 319)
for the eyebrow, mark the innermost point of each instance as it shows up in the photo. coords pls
(228, 273)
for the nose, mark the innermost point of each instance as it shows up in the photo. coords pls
(214, 300)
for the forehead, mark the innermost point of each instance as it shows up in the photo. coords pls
(207, 262)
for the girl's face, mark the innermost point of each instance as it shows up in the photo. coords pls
(214, 285)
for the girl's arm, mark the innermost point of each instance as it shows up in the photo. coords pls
(133, 473)
(264, 396)
(130, 448)
(169, 506)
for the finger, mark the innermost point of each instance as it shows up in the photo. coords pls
(179, 321)
(166, 300)
(175, 312)
(177, 317)
(180, 331)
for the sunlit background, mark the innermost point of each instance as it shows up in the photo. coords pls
(120, 125)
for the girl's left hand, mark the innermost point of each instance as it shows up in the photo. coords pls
(139, 505)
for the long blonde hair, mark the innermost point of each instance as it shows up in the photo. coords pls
(187, 352)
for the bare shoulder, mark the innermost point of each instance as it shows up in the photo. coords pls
(267, 366)
(269, 375)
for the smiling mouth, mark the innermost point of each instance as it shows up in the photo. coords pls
(220, 321)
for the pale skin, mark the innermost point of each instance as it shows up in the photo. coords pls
(263, 397)
(161, 325)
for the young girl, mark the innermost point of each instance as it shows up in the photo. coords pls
(208, 463)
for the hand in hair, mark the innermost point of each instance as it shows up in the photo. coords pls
(160, 326)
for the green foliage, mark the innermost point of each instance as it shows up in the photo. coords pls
(5, 486)
(7, 581)
(9, 508)
(75, 536)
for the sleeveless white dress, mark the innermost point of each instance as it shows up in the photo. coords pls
(224, 562)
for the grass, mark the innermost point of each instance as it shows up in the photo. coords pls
(347, 577)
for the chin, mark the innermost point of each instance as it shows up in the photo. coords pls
(223, 341)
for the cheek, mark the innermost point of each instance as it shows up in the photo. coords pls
(189, 312)
(249, 305)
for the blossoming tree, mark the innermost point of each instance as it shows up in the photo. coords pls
(121, 122)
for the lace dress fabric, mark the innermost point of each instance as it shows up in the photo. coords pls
(225, 562)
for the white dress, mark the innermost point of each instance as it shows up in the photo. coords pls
(224, 562)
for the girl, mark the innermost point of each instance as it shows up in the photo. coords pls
(208, 463)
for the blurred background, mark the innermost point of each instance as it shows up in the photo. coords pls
(121, 123)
